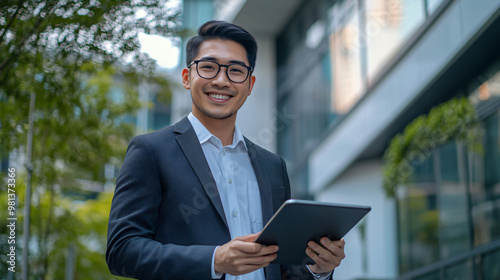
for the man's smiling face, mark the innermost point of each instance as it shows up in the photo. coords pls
(218, 98)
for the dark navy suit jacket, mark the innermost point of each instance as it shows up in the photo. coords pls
(166, 216)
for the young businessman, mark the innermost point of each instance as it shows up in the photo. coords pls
(191, 198)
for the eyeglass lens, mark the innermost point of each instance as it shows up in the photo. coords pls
(209, 69)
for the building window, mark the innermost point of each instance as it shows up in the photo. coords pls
(486, 175)
(345, 55)
(490, 265)
(451, 205)
(305, 111)
(389, 23)
(433, 212)
(485, 194)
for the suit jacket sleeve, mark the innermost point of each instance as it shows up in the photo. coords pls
(132, 250)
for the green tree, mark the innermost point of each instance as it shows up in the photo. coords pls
(453, 120)
(78, 224)
(82, 59)
(51, 47)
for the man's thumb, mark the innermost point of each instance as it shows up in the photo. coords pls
(248, 238)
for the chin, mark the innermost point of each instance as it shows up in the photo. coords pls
(220, 116)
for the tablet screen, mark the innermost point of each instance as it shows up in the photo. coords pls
(299, 221)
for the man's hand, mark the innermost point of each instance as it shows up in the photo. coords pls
(327, 256)
(242, 255)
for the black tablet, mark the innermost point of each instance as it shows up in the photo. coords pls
(299, 221)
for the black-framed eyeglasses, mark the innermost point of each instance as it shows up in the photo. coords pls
(236, 73)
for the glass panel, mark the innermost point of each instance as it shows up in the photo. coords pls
(433, 213)
(479, 206)
(432, 5)
(453, 207)
(485, 190)
(418, 219)
(304, 80)
(305, 113)
(491, 266)
(299, 183)
(389, 23)
(487, 91)
(433, 276)
(403, 215)
(284, 129)
(492, 173)
(346, 78)
(311, 104)
(462, 271)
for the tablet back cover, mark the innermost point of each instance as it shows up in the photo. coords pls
(299, 221)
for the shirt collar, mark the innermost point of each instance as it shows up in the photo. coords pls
(205, 135)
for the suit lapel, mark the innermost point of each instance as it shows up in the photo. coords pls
(262, 180)
(190, 145)
(272, 271)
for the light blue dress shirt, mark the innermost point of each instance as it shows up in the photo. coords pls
(237, 185)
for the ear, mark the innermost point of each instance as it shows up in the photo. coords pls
(186, 82)
(250, 84)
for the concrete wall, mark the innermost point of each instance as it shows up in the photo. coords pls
(375, 255)
(257, 117)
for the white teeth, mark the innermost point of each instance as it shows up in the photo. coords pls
(218, 96)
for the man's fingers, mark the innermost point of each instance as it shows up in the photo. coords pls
(335, 248)
(339, 243)
(247, 247)
(320, 250)
(247, 238)
(315, 257)
(247, 263)
(262, 260)
(327, 255)
(268, 250)
(256, 249)
(244, 269)
(242, 255)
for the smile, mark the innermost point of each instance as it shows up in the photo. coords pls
(219, 96)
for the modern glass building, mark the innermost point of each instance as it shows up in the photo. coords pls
(337, 80)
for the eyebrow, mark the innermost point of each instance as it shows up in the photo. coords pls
(230, 62)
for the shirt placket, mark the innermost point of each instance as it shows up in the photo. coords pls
(228, 177)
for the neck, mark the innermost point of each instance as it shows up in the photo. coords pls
(221, 128)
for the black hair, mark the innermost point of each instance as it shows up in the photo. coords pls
(216, 29)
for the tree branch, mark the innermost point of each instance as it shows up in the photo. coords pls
(19, 7)
(19, 46)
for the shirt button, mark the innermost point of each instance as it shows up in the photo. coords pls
(235, 214)
(229, 180)
(223, 153)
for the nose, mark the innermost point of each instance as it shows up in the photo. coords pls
(221, 77)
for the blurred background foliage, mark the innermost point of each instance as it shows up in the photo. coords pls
(82, 59)
(454, 120)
